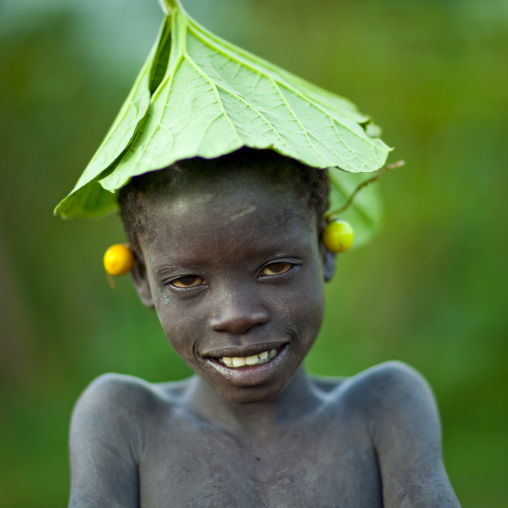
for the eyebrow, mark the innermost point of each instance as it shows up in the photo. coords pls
(272, 248)
(264, 254)
(165, 269)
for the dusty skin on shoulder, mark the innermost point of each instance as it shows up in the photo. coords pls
(155, 446)
(229, 254)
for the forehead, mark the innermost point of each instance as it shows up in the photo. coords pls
(227, 194)
(225, 206)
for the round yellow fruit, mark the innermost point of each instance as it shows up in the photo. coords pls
(338, 236)
(118, 260)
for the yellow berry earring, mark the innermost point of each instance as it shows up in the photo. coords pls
(338, 236)
(118, 260)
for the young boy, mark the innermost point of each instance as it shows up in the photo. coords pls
(228, 246)
(229, 253)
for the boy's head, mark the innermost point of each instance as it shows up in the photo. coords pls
(310, 184)
(228, 251)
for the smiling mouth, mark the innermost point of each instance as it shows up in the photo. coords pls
(242, 361)
(237, 362)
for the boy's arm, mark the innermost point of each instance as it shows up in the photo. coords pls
(407, 437)
(104, 445)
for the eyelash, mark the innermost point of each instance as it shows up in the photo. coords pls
(191, 286)
(285, 264)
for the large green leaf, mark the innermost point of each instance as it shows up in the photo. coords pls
(199, 95)
(88, 198)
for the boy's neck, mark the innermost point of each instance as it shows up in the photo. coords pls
(297, 400)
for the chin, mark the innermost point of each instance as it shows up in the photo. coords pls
(252, 394)
(252, 384)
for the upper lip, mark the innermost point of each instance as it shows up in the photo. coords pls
(251, 350)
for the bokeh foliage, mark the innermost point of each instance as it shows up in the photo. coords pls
(432, 290)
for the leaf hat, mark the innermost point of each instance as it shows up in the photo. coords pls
(197, 95)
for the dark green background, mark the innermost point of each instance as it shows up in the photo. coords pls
(430, 291)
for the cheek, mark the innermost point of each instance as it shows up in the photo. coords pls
(311, 313)
(314, 302)
(180, 327)
(304, 307)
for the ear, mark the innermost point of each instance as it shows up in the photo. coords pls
(140, 280)
(328, 260)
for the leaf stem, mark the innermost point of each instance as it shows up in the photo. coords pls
(333, 215)
(170, 5)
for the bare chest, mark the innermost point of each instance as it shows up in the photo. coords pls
(294, 469)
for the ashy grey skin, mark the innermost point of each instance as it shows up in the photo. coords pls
(233, 265)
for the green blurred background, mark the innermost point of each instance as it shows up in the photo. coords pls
(432, 290)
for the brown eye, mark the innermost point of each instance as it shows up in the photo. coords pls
(276, 268)
(189, 281)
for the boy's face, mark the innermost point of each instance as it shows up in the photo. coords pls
(233, 268)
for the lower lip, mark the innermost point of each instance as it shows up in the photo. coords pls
(251, 375)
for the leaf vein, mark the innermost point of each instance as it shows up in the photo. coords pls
(214, 88)
(216, 48)
(295, 116)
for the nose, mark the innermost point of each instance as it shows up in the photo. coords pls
(236, 312)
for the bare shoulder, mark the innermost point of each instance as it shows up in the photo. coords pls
(378, 390)
(402, 419)
(107, 437)
(390, 385)
(107, 402)
(119, 395)
(115, 391)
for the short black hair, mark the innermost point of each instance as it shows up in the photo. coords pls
(310, 184)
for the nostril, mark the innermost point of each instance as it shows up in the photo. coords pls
(237, 321)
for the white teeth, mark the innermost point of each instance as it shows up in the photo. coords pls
(238, 361)
(251, 360)
(241, 361)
